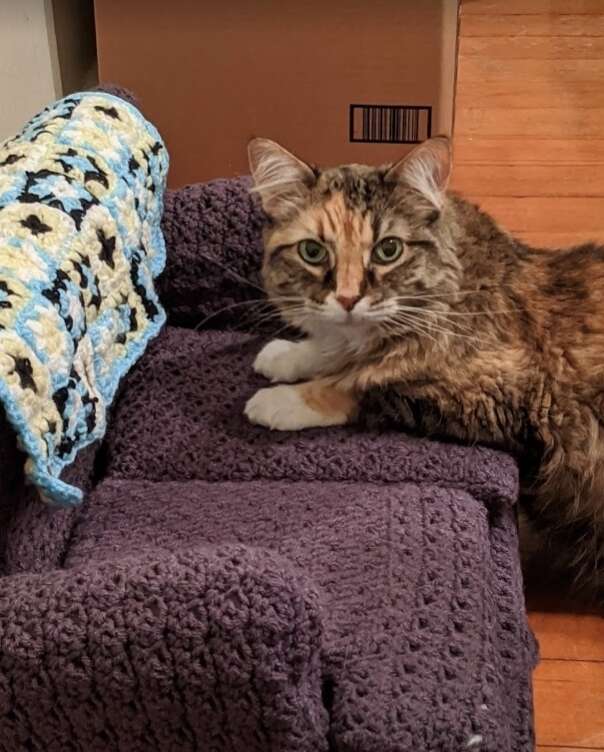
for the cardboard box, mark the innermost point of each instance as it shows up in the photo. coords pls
(333, 80)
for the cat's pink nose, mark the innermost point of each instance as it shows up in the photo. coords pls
(348, 302)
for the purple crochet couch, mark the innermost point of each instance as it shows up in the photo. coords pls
(231, 589)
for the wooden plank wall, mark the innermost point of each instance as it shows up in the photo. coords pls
(529, 147)
(529, 125)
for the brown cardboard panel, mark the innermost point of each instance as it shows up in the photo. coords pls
(212, 75)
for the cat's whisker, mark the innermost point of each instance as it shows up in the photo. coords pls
(266, 319)
(428, 326)
(430, 317)
(503, 312)
(401, 317)
(463, 328)
(419, 327)
(224, 309)
(249, 306)
(443, 297)
(447, 294)
(464, 334)
(426, 316)
(436, 312)
(282, 329)
(454, 325)
(276, 315)
(418, 303)
(231, 273)
(393, 328)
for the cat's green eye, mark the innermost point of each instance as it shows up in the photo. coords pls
(312, 252)
(387, 251)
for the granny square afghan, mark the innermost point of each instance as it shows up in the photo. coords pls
(81, 199)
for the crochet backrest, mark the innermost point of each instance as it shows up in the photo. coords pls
(213, 234)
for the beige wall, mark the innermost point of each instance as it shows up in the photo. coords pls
(28, 73)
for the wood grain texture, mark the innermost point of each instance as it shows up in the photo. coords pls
(525, 180)
(487, 68)
(526, 95)
(570, 637)
(553, 122)
(545, 214)
(524, 7)
(530, 24)
(529, 148)
(524, 150)
(514, 47)
(570, 703)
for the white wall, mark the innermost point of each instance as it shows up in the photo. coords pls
(29, 76)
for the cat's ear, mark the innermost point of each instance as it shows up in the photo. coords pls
(281, 179)
(426, 169)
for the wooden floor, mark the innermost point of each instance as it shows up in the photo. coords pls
(529, 147)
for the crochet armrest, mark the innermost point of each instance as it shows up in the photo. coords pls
(207, 648)
(34, 535)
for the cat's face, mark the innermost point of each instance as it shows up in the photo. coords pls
(356, 248)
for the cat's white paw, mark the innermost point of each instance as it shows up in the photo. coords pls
(282, 360)
(283, 408)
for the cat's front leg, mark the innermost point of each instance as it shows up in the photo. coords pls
(286, 361)
(312, 404)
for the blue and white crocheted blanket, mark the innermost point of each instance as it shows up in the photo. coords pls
(81, 199)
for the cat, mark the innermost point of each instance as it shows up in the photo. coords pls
(405, 289)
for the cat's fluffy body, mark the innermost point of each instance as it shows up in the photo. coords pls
(472, 334)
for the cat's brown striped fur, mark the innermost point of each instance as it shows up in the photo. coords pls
(478, 336)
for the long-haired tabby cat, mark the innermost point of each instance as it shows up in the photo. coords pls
(401, 286)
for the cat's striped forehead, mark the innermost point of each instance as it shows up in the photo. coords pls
(352, 204)
(342, 223)
(359, 187)
(354, 195)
